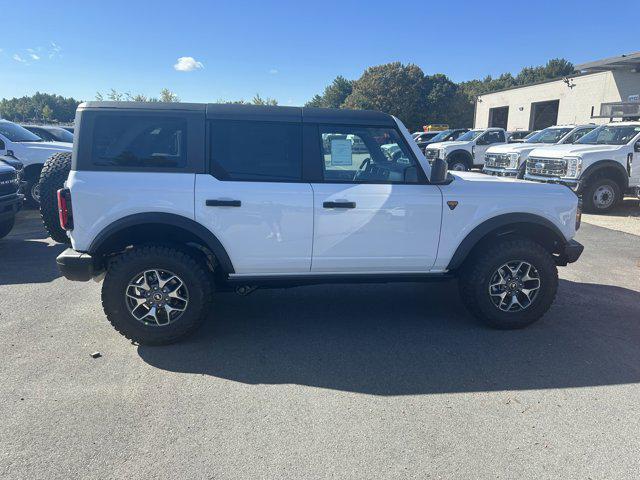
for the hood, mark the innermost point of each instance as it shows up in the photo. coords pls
(513, 147)
(5, 167)
(57, 146)
(449, 145)
(481, 177)
(38, 152)
(17, 164)
(559, 151)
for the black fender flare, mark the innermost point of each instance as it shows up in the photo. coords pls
(467, 156)
(174, 220)
(602, 164)
(492, 224)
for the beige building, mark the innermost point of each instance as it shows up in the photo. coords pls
(596, 89)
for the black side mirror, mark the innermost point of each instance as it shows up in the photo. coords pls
(411, 174)
(636, 147)
(439, 169)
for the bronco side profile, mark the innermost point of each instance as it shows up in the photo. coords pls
(170, 204)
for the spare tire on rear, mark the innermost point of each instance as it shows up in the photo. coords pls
(52, 177)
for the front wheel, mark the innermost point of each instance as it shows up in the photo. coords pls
(510, 285)
(156, 295)
(458, 165)
(601, 195)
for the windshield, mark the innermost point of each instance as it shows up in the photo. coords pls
(610, 135)
(531, 135)
(15, 133)
(61, 135)
(441, 136)
(470, 135)
(549, 135)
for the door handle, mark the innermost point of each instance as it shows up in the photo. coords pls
(339, 204)
(223, 203)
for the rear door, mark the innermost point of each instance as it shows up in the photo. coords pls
(253, 198)
(373, 210)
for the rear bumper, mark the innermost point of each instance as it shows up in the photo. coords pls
(10, 205)
(77, 266)
(570, 253)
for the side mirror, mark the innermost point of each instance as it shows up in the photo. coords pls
(439, 169)
(636, 147)
(411, 174)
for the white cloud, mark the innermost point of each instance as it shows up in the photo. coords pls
(188, 64)
(273, 71)
(34, 56)
(18, 58)
(54, 50)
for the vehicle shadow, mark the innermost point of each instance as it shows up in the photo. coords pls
(28, 261)
(410, 339)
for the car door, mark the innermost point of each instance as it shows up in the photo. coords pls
(374, 212)
(634, 179)
(483, 143)
(254, 200)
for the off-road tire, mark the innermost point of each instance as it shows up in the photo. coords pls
(592, 185)
(52, 177)
(6, 226)
(183, 263)
(475, 276)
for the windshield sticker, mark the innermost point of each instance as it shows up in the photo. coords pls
(341, 153)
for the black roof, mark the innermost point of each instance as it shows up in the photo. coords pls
(234, 111)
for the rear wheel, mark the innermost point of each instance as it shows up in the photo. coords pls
(52, 177)
(510, 285)
(6, 226)
(156, 295)
(601, 195)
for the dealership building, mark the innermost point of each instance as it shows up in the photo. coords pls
(601, 90)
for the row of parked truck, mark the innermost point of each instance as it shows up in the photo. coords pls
(601, 163)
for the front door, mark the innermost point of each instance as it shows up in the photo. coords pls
(373, 211)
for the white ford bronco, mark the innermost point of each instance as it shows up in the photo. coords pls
(169, 204)
(468, 150)
(31, 150)
(601, 167)
(509, 160)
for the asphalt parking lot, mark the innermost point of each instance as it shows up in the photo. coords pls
(369, 381)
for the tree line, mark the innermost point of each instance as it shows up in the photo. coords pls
(395, 88)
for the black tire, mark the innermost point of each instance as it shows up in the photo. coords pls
(521, 170)
(597, 195)
(52, 177)
(475, 279)
(30, 188)
(127, 266)
(458, 164)
(6, 226)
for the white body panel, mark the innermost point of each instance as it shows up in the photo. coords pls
(393, 228)
(555, 203)
(30, 153)
(101, 198)
(272, 230)
(476, 151)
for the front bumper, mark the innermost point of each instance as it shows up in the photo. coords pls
(570, 253)
(10, 205)
(77, 266)
(500, 172)
(575, 185)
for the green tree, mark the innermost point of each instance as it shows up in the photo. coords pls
(47, 113)
(50, 107)
(166, 95)
(394, 88)
(258, 100)
(334, 95)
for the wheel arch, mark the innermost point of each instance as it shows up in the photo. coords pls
(617, 172)
(144, 227)
(525, 225)
(32, 172)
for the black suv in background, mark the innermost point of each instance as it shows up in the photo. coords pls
(10, 199)
(443, 136)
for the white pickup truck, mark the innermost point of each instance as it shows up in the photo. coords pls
(468, 150)
(31, 150)
(509, 160)
(601, 167)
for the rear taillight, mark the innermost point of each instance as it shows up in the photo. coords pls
(64, 209)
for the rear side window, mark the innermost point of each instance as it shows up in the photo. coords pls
(139, 141)
(256, 151)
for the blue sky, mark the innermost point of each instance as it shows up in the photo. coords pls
(288, 50)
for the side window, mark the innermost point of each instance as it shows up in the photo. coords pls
(575, 136)
(493, 137)
(256, 151)
(139, 141)
(366, 155)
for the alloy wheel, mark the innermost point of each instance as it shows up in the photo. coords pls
(156, 297)
(514, 286)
